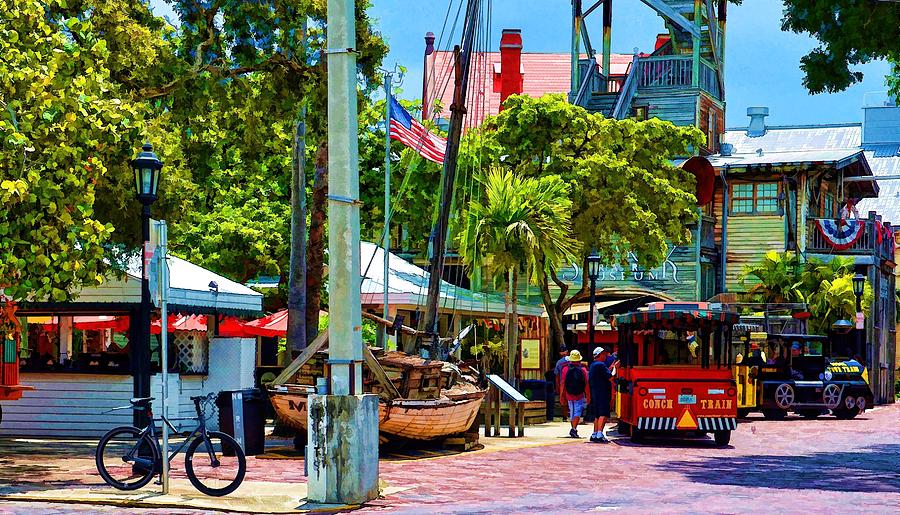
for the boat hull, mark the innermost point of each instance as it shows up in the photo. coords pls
(413, 419)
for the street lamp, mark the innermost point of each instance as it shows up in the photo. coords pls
(859, 284)
(593, 262)
(146, 184)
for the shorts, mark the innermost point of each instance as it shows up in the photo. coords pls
(599, 407)
(576, 408)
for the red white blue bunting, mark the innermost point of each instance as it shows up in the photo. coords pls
(841, 234)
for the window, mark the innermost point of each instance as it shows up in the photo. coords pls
(828, 206)
(755, 198)
(642, 112)
(712, 136)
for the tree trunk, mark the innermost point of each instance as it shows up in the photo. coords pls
(316, 245)
(514, 329)
(296, 331)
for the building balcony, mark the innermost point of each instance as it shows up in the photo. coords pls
(869, 242)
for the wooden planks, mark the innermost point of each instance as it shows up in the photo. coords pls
(305, 356)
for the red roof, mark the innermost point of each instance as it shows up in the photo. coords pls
(542, 74)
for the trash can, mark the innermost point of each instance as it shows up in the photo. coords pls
(242, 416)
(534, 389)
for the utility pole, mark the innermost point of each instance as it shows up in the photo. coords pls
(457, 112)
(343, 424)
(296, 332)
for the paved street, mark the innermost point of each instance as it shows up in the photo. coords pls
(792, 466)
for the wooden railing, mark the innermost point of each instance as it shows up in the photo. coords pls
(868, 243)
(675, 71)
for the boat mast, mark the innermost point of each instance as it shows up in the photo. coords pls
(457, 112)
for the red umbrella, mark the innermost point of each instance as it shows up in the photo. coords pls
(181, 323)
(271, 325)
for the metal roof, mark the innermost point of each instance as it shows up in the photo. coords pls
(838, 158)
(794, 138)
(888, 202)
(408, 287)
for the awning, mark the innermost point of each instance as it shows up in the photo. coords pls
(270, 325)
(584, 308)
(676, 315)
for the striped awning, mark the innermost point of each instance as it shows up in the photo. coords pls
(677, 315)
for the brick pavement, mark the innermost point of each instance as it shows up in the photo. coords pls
(791, 466)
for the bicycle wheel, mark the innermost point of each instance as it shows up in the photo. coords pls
(215, 465)
(126, 459)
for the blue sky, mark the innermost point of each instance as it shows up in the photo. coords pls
(762, 62)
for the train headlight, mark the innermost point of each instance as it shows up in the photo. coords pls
(828, 375)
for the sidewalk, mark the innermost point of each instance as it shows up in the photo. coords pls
(63, 471)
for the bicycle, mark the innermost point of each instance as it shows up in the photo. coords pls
(128, 458)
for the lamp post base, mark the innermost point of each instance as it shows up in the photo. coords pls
(343, 448)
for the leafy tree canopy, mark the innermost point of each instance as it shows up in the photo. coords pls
(66, 125)
(850, 34)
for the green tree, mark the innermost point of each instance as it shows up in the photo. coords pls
(850, 34)
(626, 194)
(66, 126)
(826, 288)
(521, 227)
(777, 278)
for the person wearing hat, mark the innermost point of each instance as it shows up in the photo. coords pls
(557, 373)
(599, 380)
(574, 391)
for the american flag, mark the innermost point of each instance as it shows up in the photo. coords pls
(414, 135)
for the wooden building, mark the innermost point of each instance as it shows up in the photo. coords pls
(80, 370)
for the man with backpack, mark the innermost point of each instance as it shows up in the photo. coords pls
(573, 389)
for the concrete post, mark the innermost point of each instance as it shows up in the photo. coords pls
(343, 427)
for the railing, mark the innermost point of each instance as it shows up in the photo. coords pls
(675, 71)
(623, 102)
(868, 243)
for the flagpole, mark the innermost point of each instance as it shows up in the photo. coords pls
(386, 244)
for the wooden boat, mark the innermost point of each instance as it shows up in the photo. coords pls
(405, 418)
(427, 409)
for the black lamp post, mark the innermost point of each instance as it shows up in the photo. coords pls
(146, 184)
(593, 262)
(859, 284)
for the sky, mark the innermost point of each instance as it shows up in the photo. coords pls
(761, 61)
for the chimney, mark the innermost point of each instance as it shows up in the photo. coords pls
(757, 125)
(510, 63)
(428, 74)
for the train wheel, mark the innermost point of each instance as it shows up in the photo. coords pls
(831, 396)
(844, 413)
(784, 396)
(722, 438)
(637, 435)
(774, 414)
(743, 412)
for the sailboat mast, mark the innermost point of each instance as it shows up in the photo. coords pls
(457, 113)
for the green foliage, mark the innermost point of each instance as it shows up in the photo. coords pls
(369, 329)
(850, 34)
(827, 288)
(491, 353)
(626, 194)
(66, 125)
(522, 225)
(84, 82)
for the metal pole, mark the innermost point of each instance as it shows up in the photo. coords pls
(141, 356)
(591, 320)
(163, 281)
(576, 49)
(345, 339)
(860, 349)
(386, 244)
(607, 39)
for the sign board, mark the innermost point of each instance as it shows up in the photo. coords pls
(506, 388)
(860, 320)
(531, 354)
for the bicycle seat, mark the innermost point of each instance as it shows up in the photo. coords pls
(141, 401)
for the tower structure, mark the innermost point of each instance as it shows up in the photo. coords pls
(681, 80)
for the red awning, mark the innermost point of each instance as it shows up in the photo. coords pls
(271, 325)
(232, 327)
(93, 323)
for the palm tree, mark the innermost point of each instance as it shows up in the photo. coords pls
(522, 225)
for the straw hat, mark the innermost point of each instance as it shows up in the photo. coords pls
(574, 356)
